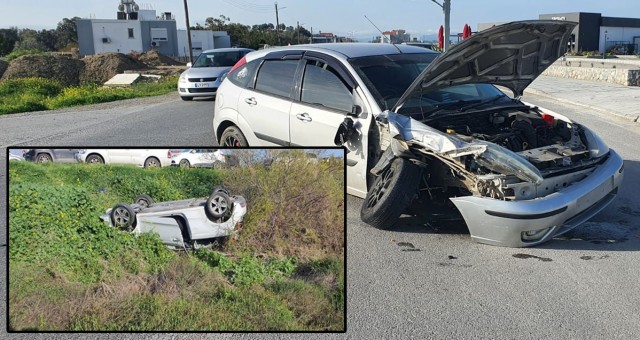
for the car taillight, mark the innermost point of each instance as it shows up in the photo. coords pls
(169, 154)
(240, 62)
(548, 119)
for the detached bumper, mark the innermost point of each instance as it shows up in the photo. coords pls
(505, 223)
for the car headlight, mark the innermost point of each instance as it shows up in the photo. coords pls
(183, 78)
(597, 147)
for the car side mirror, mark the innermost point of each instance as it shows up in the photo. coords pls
(189, 65)
(346, 130)
(356, 110)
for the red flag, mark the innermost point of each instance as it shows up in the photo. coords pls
(441, 37)
(468, 32)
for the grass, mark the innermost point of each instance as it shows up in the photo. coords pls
(69, 271)
(37, 94)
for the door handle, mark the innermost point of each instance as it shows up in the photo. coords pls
(304, 117)
(251, 101)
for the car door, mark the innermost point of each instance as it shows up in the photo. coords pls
(326, 98)
(265, 107)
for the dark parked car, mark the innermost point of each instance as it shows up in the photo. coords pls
(51, 155)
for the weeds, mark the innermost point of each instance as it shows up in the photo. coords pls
(36, 94)
(69, 271)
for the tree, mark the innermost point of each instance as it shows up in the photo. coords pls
(29, 40)
(8, 39)
(217, 24)
(66, 33)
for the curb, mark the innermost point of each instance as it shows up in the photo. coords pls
(540, 93)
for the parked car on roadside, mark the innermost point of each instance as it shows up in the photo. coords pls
(427, 127)
(190, 223)
(148, 158)
(203, 78)
(51, 155)
(14, 157)
(198, 158)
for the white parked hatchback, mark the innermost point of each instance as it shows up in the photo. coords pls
(148, 158)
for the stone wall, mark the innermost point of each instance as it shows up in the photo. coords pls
(610, 75)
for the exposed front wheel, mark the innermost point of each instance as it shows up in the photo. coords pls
(233, 137)
(123, 216)
(391, 194)
(144, 200)
(218, 205)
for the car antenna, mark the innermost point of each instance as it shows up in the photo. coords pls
(382, 34)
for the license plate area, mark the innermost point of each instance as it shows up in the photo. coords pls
(596, 194)
(201, 85)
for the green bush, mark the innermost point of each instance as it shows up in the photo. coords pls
(19, 53)
(35, 94)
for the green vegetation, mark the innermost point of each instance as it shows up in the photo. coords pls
(35, 94)
(19, 53)
(69, 271)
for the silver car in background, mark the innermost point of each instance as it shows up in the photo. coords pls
(203, 78)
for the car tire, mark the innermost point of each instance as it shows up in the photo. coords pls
(152, 162)
(218, 205)
(391, 194)
(94, 159)
(123, 216)
(184, 163)
(233, 137)
(186, 99)
(44, 158)
(144, 200)
(221, 188)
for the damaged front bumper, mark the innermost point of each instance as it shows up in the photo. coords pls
(531, 222)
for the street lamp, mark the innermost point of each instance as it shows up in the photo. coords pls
(298, 24)
(604, 50)
(446, 8)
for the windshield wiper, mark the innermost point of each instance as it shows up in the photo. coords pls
(486, 101)
(442, 107)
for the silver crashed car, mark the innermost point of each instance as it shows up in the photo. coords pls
(426, 130)
(190, 223)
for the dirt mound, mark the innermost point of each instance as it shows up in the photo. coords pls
(62, 68)
(154, 58)
(102, 67)
(3, 67)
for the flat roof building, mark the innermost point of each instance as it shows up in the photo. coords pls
(595, 32)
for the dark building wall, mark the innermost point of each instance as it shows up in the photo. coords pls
(587, 34)
(85, 37)
(169, 47)
(620, 22)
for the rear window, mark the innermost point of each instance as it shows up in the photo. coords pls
(245, 74)
(389, 76)
(276, 77)
(219, 59)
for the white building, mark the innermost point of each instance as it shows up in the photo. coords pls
(202, 41)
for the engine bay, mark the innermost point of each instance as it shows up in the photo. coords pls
(544, 141)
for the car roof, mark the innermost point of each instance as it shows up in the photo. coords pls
(227, 49)
(349, 50)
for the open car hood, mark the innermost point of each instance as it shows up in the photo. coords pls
(510, 55)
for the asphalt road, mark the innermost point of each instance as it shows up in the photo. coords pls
(421, 281)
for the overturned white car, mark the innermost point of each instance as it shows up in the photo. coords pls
(518, 174)
(190, 223)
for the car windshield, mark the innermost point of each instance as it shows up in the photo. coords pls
(458, 98)
(218, 59)
(389, 76)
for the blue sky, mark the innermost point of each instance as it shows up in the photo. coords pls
(342, 17)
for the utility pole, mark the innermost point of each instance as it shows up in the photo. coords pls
(186, 14)
(277, 23)
(446, 8)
